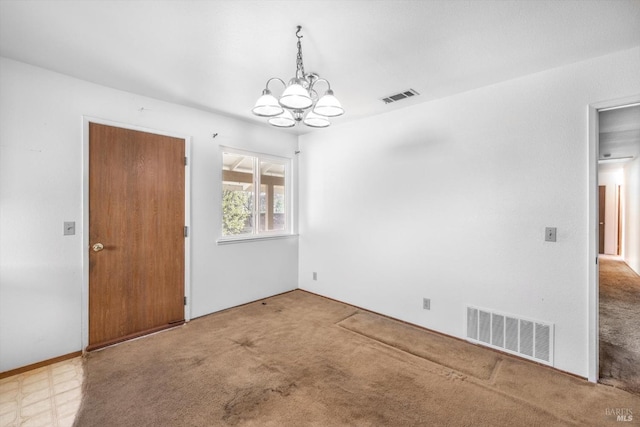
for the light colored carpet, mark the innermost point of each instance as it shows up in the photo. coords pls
(298, 359)
(619, 325)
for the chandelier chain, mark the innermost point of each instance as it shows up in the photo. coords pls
(299, 64)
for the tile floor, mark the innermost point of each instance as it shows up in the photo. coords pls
(47, 396)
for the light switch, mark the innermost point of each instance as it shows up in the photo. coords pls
(69, 228)
(550, 234)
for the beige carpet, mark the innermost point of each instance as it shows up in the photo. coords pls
(619, 325)
(298, 359)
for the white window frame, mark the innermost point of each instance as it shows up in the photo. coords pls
(289, 202)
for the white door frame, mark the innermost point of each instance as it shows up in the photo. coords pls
(594, 300)
(85, 216)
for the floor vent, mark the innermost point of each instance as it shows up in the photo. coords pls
(400, 96)
(527, 338)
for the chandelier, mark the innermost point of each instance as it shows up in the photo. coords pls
(299, 101)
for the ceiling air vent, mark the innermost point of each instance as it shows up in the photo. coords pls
(399, 96)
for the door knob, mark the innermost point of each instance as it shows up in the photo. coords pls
(98, 247)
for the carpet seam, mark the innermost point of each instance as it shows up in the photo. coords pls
(466, 374)
(485, 384)
(494, 371)
(348, 317)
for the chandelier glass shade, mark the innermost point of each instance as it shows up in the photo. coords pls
(267, 105)
(299, 101)
(283, 120)
(316, 120)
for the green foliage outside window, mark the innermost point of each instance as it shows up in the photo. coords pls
(279, 203)
(235, 211)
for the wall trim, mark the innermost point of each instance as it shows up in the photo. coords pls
(37, 365)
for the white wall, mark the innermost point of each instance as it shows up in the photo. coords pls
(449, 200)
(631, 238)
(611, 179)
(41, 187)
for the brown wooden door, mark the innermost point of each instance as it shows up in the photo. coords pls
(602, 189)
(136, 212)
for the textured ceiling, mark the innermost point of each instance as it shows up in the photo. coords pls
(217, 55)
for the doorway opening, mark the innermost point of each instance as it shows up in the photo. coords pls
(618, 278)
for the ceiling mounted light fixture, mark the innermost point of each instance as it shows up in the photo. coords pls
(299, 101)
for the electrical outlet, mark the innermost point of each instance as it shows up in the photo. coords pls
(315, 276)
(426, 303)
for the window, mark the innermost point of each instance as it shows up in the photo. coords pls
(249, 213)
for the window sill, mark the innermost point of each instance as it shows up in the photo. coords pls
(232, 240)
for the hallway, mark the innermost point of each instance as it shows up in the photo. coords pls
(619, 324)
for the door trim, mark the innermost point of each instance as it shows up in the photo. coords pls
(85, 216)
(593, 224)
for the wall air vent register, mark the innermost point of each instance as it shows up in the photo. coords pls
(526, 338)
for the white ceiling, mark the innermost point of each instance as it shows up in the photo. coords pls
(217, 55)
(619, 137)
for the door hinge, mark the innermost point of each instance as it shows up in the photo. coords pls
(186, 231)
(185, 300)
(186, 161)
